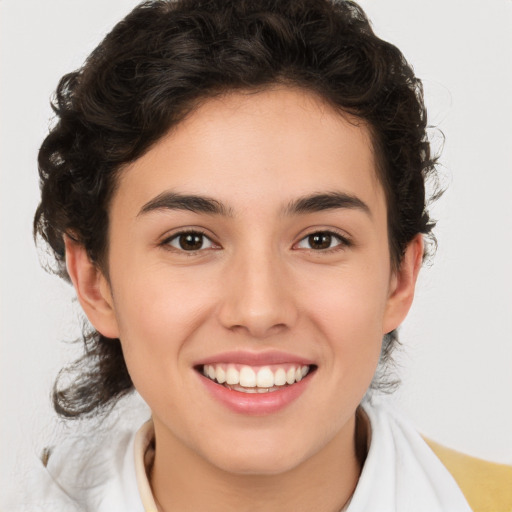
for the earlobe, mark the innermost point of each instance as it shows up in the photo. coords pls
(403, 284)
(92, 289)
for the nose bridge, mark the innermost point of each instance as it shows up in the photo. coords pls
(256, 297)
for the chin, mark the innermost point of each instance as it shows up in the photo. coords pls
(260, 466)
(259, 457)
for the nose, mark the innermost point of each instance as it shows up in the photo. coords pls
(257, 296)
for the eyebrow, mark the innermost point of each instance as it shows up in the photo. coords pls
(326, 201)
(190, 202)
(303, 205)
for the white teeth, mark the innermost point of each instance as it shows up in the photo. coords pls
(280, 377)
(259, 380)
(265, 378)
(232, 375)
(247, 377)
(221, 375)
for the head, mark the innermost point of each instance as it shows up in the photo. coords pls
(169, 62)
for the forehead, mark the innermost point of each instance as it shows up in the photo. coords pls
(246, 148)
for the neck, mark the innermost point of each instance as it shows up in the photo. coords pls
(323, 482)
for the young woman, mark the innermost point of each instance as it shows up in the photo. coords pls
(237, 192)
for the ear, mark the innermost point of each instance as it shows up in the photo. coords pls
(402, 285)
(92, 289)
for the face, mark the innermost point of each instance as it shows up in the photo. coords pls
(250, 244)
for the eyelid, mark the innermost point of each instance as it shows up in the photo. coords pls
(343, 239)
(166, 240)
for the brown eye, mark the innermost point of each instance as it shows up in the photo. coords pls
(321, 241)
(190, 241)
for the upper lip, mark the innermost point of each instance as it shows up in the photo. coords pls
(260, 358)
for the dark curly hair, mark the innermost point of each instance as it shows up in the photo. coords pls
(156, 66)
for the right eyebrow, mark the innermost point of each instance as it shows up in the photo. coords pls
(189, 202)
(327, 201)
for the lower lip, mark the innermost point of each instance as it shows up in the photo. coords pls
(256, 404)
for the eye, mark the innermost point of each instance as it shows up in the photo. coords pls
(189, 241)
(321, 241)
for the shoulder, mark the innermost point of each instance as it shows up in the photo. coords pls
(81, 475)
(487, 486)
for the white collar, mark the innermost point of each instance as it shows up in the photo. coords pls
(401, 473)
(144, 454)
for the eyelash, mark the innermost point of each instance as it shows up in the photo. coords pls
(167, 243)
(342, 241)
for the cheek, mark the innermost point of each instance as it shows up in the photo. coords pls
(349, 299)
(349, 310)
(156, 317)
(159, 301)
(157, 313)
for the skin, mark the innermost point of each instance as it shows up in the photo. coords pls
(259, 285)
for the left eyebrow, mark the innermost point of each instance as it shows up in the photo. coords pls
(189, 202)
(326, 201)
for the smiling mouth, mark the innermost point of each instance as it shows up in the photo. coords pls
(256, 379)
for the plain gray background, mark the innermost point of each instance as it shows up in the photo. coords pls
(456, 360)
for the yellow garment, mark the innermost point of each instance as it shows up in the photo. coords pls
(487, 486)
